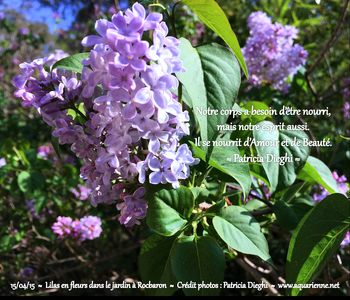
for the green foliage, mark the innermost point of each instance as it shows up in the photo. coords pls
(30, 182)
(217, 80)
(285, 215)
(240, 231)
(316, 238)
(168, 210)
(193, 81)
(71, 63)
(316, 171)
(198, 259)
(219, 212)
(155, 262)
(255, 105)
(210, 13)
(281, 175)
(218, 160)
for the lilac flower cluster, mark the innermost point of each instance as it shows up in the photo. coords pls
(49, 92)
(270, 52)
(81, 192)
(320, 193)
(87, 228)
(133, 121)
(136, 114)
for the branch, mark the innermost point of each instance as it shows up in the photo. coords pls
(266, 202)
(258, 213)
(87, 264)
(311, 85)
(251, 268)
(334, 37)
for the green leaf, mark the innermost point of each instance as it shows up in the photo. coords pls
(257, 106)
(288, 172)
(240, 231)
(254, 204)
(271, 168)
(71, 113)
(72, 63)
(317, 172)
(280, 175)
(154, 263)
(211, 80)
(40, 201)
(193, 81)
(219, 160)
(284, 8)
(200, 260)
(6, 243)
(291, 192)
(23, 181)
(222, 79)
(200, 194)
(316, 238)
(285, 215)
(210, 13)
(169, 209)
(301, 206)
(215, 208)
(29, 182)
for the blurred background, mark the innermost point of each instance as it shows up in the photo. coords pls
(39, 180)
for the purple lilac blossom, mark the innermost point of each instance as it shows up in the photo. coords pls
(15, 60)
(81, 192)
(24, 31)
(346, 110)
(346, 97)
(90, 228)
(133, 208)
(112, 10)
(346, 240)
(62, 227)
(262, 190)
(346, 90)
(342, 184)
(2, 162)
(200, 30)
(87, 228)
(45, 151)
(30, 205)
(2, 16)
(134, 122)
(270, 52)
(26, 272)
